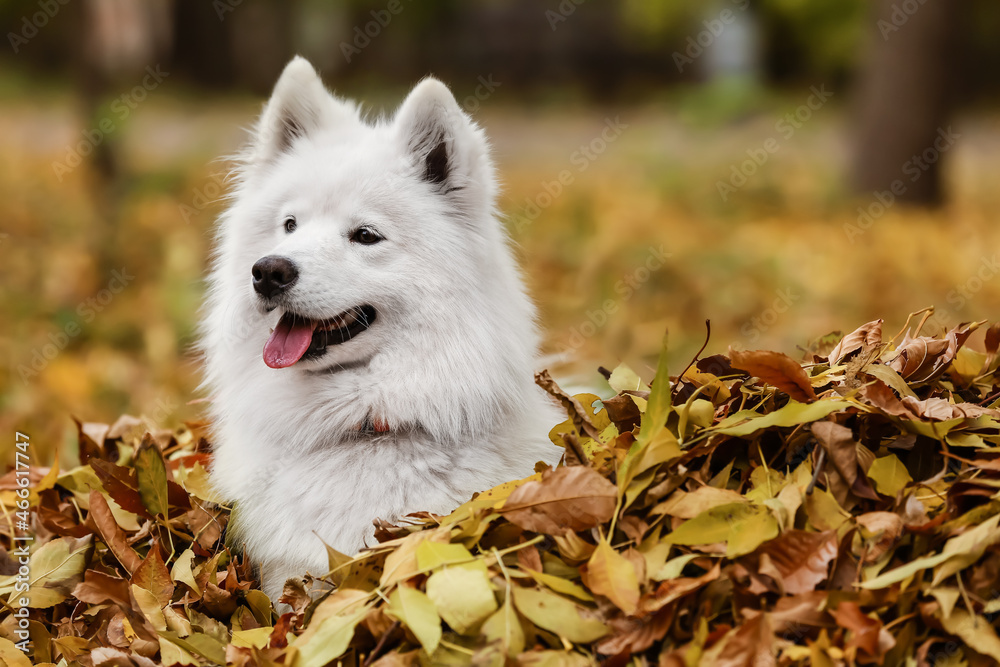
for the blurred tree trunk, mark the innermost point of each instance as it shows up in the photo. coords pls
(905, 98)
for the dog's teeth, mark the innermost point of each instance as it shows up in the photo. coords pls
(348, 318)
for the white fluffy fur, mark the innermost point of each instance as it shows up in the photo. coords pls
(448, 363)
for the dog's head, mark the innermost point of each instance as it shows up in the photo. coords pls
(343, 230)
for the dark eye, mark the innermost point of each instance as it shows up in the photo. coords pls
(365, 236)
(290, 224)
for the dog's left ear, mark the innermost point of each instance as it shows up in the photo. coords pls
(449, 151)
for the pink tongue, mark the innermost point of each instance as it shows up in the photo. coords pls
(288, 342)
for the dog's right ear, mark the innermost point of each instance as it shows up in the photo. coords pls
(299, 106)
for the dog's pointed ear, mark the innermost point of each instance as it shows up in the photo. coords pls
(449, 151)
(299, 106)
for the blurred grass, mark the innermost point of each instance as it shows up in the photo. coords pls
(778, 244)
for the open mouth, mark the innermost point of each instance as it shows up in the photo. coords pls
(296, 337)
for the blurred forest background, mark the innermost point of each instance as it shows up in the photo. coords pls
(783, 168)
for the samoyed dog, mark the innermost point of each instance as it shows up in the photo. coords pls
(369, 345)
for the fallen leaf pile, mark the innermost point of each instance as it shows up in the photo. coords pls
(754, 510)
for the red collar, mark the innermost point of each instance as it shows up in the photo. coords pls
(374, 425)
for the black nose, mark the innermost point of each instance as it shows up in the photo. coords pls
(273, 275)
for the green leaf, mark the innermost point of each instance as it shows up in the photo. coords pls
(55, 569)
(792, 414)
(416, 611)
(432, 555)
(151, 476)
(624, 378)
(653, 434)
(889, 474)
(743, 527)
(967, 547)
(557, 614)
(658, 407)
(891, 378)
(199, 644)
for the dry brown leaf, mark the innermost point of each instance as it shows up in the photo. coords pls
(776, 369)
(799, 560)
(752, 645)
(880, 530)
(577, 412)
(924, 358)
(565, 499)
(940, 409)
(111, 533)
(98, 588)
(153, 576)
(866, 632)
(842, 451)
(866, 336)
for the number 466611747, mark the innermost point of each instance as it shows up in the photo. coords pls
(22, 473)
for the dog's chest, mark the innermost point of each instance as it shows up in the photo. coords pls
(335, 493)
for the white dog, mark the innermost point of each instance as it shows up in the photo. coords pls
(369, 344)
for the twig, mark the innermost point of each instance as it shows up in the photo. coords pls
(820, 459)
(708, 335)
(383, 640)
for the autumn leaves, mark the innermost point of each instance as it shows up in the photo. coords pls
(756, 509)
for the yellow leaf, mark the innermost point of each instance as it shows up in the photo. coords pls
(11, 655)
(257, 637)
(624, 378)
(463, 597)
(974, 630)
(47, 482)
(743, 527)
(889, 474)
(181, 571)
(56, 568)
(331, 629)
(610, 574)
(150, 607)
(505, 627)
(197, 482)
(557, 614)
(560, 585)
(417, 612)
(432, 555)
